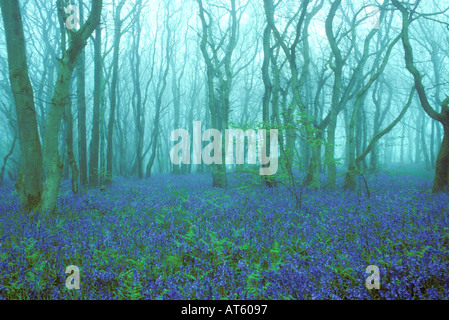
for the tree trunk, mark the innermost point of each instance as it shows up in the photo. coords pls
(5, 159)
(52, 163)
(350, 178)
(29, 183)
(330, 150)
(268, 92)
(336, 94)
(70, 155)
(418, 151)
(113, 93)
(154, 141)
(160, 90)
(432, 144)
(354, 164)
(95, 139)
(222, 70)
(423, 142)
(102, 168)
(441, 181)
(81, 98)
(402, 144)
(313, 173)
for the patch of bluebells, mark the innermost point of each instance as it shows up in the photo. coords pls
(176, 237)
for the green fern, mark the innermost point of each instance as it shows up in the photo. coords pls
(252, 282)
(131, 289)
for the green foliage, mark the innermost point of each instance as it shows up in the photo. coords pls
(227, 244)
(130, 289)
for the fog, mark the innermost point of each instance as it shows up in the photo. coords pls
(292, 97)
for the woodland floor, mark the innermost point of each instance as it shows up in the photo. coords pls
(176, 237)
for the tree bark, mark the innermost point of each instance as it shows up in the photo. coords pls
(160, 90)
(81, 98)
(336, 94)
(113, 93)
(351, 175)
(52, 163)
(5, 159)
(441, 180)
(95, 139)
(268, 89)
(71, 156)
(29, 183)
(442, 166)
(219, 101)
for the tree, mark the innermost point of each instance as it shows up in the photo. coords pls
(441, 180)
(177, 80)
(95, 138)
(118, 32)
(29, 184)
(66, 64)
(297, 79)
(81, 98)
(67, 116)
(219, 79)
(336, 106)
(166, 56)
(5, 159)
(350, 180)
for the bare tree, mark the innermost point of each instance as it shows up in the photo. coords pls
(441, 180)
(166, 56)
(219, 77)
(52, 162)
(118, 33)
